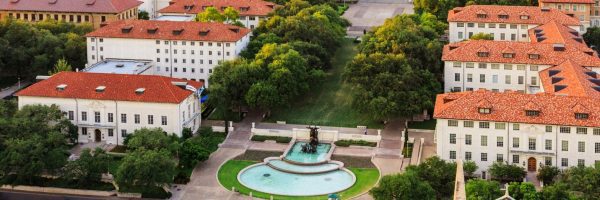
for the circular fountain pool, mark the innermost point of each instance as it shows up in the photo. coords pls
(298, 174)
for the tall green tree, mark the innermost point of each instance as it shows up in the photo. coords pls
(152, 139)
(525, 191)
(143, 15)
(583, 182)
(506, 172)
(61, 66)
(478, 189)
(405, 186)
(210, 14)
(146, 168)
(385, 85)
(469, 168)
(547, 174)
(438, 173)
(88, 169)
(592, 37)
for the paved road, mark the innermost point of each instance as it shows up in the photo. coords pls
(10, 90)
(12, 195)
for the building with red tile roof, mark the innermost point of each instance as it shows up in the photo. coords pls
(76, 11)
(186, 50)
(506, 23)
(571, 79)
(585, 11)
(107, 107)
(251, 11)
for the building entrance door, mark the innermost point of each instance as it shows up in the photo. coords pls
(531, 164)
(98, 135)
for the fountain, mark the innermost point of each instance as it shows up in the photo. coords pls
(311, 146)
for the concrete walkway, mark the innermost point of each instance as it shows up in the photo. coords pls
(4, 92)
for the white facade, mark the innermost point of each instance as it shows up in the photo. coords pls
(459, 31)
(469, 76)
(526, 145)
(111, 121)
(191, 60)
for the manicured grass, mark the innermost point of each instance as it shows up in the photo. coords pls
(330, 103)
(347, 143)
(427, 124)
(366, 178)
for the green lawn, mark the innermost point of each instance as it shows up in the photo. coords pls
(366, 178)
(427, 124)
(330, 104)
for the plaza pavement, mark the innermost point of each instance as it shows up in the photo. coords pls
(369, 13)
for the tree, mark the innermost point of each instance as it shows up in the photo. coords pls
(385, 86)
(230, 15)
(146, 168)
(405, 186)
(482, 36)
(592, 37)
(230, 82)
(210, 14)
(88, 168)
(186, 133)
(142, 14)
(469, 168)
(414, 36)
(438, 173)
(505, 172)
(439, 8)
(557, 191)
(547, 173)
(192, 152)
(583, 182)
(151, 139)
(258, 42)
(525, 191)
(28, 157)
(478, 189)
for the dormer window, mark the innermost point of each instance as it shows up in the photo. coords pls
(244, 9)
(581, 116)
(100, 88)
(524, 16)
(481, 16)
(485, 110)
(503, 16)
(140, 91)
(534, 56)
(483, 54)
(61, 87)
(177, 31)
(204, 32)
(532, 113)
(508, 55)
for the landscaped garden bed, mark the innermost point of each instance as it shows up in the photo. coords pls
(278, 139)
(259, 156)
(347, 143)
(147, 192)
(366, 178)
(427, 124)
(354, 161)
(58, 183)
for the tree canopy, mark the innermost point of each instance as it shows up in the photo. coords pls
(61, 66)
(229, 15)
(506, 172)
(146, 168)
(478, 189)
(592, 37)
(31, 49)
(405, 186)
(88, 168)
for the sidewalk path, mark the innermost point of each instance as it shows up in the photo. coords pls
(12, 89)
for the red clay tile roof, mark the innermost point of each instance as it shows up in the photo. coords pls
(120, 87)
(254, 7)
(466, 51)
(569, 1)
(553, 32)
(79, 6)
(191, 30)
(511, 106)
(577, 80)
(536, 15)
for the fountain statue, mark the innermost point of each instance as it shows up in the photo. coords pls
(311, 147)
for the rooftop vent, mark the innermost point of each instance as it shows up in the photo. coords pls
(140, 90)
(558, 88)
(177, 31)
(545, 9)
(61, 87)
(52, 1)
(553, 72)
(39, 78)
(14, 1)
(592, 74)
(90, 2)
(179, 83)
(100, 88)
(559, 47)
(120, 65)
(126, 29)
(152, 30)
(556, 79)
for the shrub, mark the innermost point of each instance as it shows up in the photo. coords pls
(347, 143)
(505, 172)
(278, 139)
(547, 174)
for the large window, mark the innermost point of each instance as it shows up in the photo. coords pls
(484, 125)
(136, 118)
(83, 116)
(163, 120)
(468, 155)
(452, 123)
(452, 154)
(564, 162)
(564, 145)
(468, 139)
(515, 159)
(452, 138)
(500, 126)
(150, 119)
(548, 145)
(499, 157)
(469, 124)
(97, 117)
(123, 118)
(581, 130)
(564, 129)
(484, 157)
(532, 144)
(581, 146)
(515, 142)
(110, 117)
(484, 140)
(499, 141)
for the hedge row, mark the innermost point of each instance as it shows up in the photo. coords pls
(347, 143)
(278, 139)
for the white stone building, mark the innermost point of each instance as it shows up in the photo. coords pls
(512, 65)
(504, 23)
(188, 50)
(251, 12)
(108, 107)
(527, 130)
